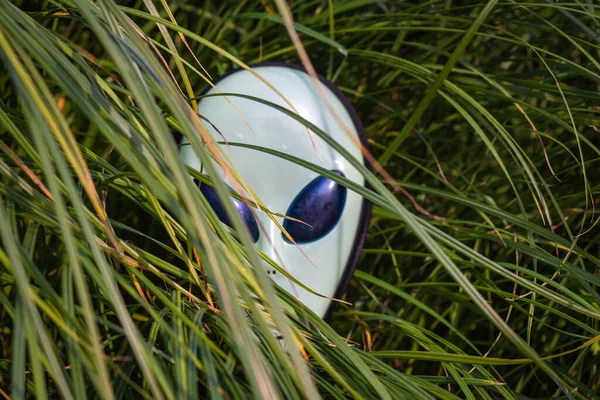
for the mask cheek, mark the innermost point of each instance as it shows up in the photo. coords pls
(317, 266)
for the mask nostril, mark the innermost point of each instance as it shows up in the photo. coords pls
(271, 246)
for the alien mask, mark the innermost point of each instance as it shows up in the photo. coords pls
(328, 243)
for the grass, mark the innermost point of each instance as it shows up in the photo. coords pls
(479, 278)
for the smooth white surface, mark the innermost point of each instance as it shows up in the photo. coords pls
(277, 182)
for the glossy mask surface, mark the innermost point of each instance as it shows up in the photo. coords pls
(335, 214)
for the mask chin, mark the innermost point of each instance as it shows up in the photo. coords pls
(327, 249)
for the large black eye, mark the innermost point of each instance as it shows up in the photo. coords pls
(319, 205)
(215, 202)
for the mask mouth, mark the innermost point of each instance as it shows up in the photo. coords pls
(318, 207)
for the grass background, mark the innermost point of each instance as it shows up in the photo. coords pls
(479, 278)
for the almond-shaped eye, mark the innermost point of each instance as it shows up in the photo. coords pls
(215, 202)
(319, 206)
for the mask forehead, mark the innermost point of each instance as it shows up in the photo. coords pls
(276, 181)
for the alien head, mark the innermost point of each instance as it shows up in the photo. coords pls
(335, 217)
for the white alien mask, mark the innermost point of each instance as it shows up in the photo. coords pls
(336, 217)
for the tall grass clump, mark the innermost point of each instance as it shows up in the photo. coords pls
(479, 278)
